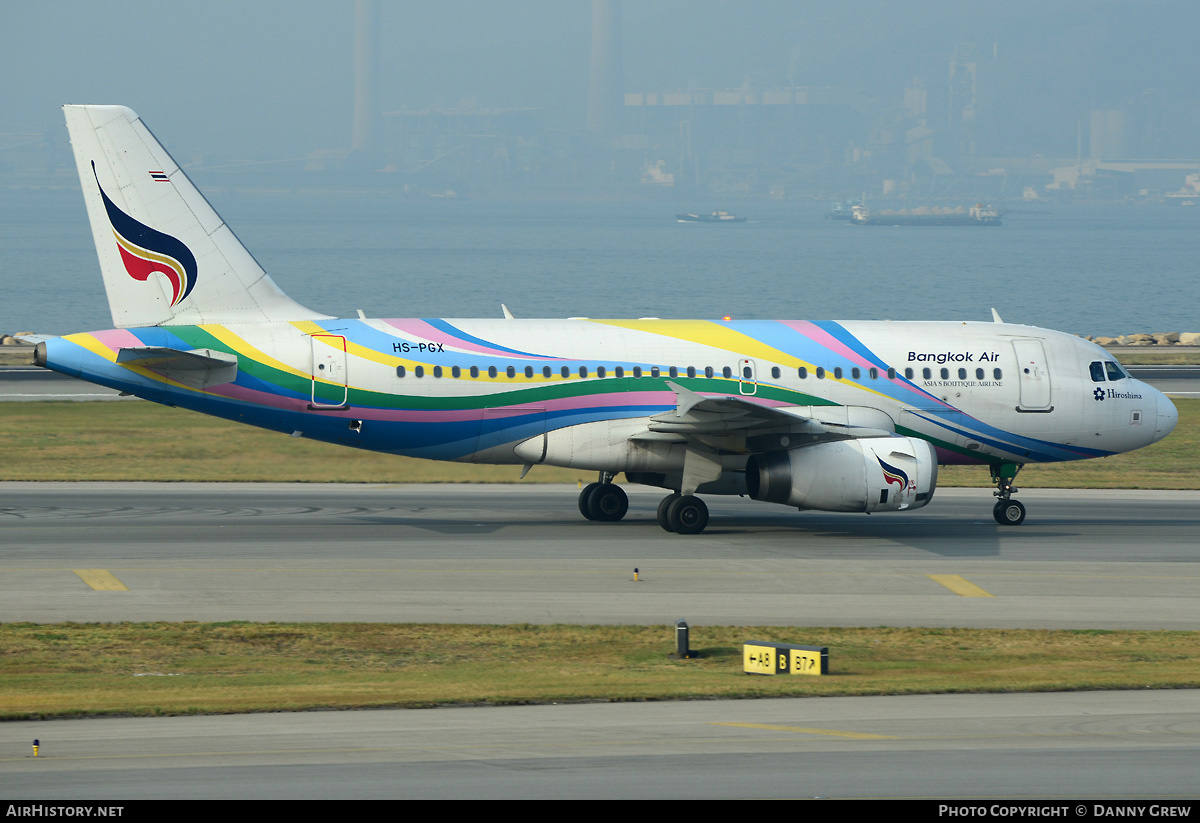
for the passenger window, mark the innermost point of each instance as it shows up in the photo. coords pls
(655, 371)
(892, 373)
(546, 372)
(962, 374)
(945, 374)
(455, 371)
(565, 371)
(1097, 370)
(511, 371)
(837, 372)
(803, 372)
(874, 373)
(620, 371)
(820, 373)
(979, 374)
(997, 374)
(399, 371)
(691, 371)
(491, 371)
(673, 371)
(926, 373)
(637, 371)
(1114, 371)
(727, 372)
(855, 373)
(708, 371)
(583, 371)
(419, 371)
(600, 372)
(908, 373)
(437, 371)
(746, 372)
(775, 372)
(529, 371)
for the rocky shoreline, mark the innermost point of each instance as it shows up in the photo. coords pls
(1174, 338)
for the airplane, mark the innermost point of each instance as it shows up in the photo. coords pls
(837, 416)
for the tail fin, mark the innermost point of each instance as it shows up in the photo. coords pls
(166, 256)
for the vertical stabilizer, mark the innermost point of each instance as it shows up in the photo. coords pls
(166, 256)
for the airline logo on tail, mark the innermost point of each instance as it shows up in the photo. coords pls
(145, 251)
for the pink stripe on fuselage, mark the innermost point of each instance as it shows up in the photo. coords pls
(421, 329)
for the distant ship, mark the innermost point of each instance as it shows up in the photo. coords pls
(843, 210)
(714, 217)
(977, 215)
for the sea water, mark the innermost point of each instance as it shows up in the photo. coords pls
(1084, 269)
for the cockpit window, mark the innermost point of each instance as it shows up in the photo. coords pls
(1097, 369)
(1114, 371)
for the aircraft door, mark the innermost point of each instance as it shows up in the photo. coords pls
(329, 385)
(1034, 376)
(747, 383)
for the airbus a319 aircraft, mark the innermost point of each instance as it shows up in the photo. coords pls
(825, 415)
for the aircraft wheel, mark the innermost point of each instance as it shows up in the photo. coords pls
(1009, 513)
(663, 508)
(688, 515)
(585, 500)
(608, 503)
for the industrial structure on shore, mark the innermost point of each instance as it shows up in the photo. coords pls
(934, 140)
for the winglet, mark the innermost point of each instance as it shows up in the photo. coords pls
(996, 316)
(507, 314)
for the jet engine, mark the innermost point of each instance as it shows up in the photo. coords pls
(871, 474)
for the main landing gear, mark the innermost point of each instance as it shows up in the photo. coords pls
(1007, 512)
(682, 514)
(604, 501)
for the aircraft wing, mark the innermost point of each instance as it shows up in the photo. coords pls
(704, 417)
(198, 369)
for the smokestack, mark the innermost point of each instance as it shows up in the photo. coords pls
(366, 73)
(606, 94)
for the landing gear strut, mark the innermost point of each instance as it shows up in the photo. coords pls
(604, 501)
(1007, 512)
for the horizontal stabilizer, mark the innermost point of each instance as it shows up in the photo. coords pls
(198, 369)
(34, 339)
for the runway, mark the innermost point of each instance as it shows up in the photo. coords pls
(485, 554)
(141, 551)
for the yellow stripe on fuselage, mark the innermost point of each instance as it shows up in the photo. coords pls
(244, 349)
(709, 333)
(89, 342)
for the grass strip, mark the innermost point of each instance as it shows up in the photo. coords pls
(73, 670)
(114, 441)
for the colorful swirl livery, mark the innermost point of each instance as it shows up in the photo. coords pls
(835, 416)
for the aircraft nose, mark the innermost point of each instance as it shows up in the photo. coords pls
(1166, 419)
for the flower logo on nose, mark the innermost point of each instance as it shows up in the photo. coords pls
(1098, 393)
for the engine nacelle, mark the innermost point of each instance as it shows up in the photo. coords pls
(868, 475)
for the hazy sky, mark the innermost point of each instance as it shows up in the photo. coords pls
(274, 78)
